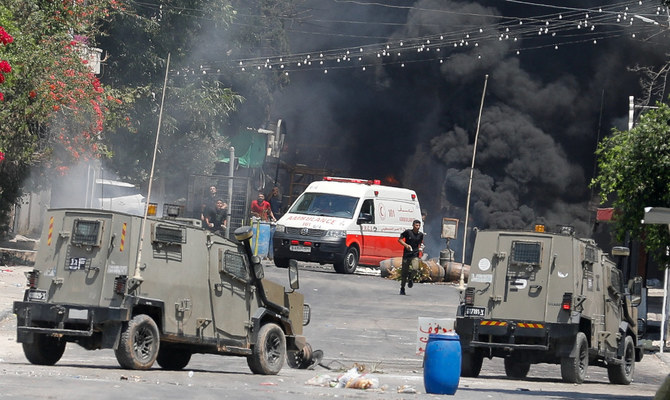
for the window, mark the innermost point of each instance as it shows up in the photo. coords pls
(86, 232)
(233, 263)
(169, 234)
(526, 253)
(325, 205)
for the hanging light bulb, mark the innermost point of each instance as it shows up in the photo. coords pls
(363, 68)
(402, 65)
(325, 71)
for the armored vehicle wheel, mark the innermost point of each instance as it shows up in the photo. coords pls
(573, 369)
(300, 359)
(44, 350)
(139, 343)
(471, 364)
(349, 262)
(516, 369)
(281, 262)
(269, 352)
(622, 374)
(172, 358)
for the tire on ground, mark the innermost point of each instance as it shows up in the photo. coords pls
(516, 369)
(269, 352)
(349, 262)
(471, 364)
(281, 262)
(44, 350)
(573, 369)
(172, 358)
(139, 343)
(622, 374)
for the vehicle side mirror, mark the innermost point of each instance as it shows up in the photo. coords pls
(294, 282)
(259, 272)
(635, 290)
(364, 218)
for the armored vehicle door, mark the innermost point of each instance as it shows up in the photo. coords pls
(613, 312)
(232, 293)
(521, 277)
(82, 252)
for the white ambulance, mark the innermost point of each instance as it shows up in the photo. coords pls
(345, 222)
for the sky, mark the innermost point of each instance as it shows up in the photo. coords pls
(392, 90)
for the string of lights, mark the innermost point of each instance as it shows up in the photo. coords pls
(637, 20)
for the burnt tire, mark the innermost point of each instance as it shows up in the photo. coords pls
(281, 262)
(516, 369)
(622, 374)
(471, 364)
(172, 358)
(573, 369)
(44, 350)
(349, 261)
(269, 353)
(300, 359)
(139, 343)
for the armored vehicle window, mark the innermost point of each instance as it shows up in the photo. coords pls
(86, 232)
(526, 253)
(169, 234)
(233, 263)
(590, 254)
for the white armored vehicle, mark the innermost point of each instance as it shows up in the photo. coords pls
(191, 292)
(535, 297)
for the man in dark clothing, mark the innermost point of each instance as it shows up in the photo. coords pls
(217, 218)
(411, 240)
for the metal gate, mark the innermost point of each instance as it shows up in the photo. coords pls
(238, 208)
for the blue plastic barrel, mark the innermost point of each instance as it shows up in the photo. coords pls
(442, 364)
(260, 241)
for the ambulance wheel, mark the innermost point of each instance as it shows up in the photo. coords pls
(622, 374)
(349, 262)
(516, 369)
(44, 350)
(573, 369)
(300, 359)
(281, 262)
(269, 352)
(172, 358)
(139, 343)
(471, 364)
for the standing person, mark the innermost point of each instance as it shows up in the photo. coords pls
(275, 202)
(411, 240)
(208, 205)
(217, 218)
(260, 208)
(275, 206)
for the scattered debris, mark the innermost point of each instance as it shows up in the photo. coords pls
(406, 389)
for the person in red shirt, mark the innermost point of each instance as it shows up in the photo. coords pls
(260, 208)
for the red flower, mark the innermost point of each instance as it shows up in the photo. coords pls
(2, 96)
(2, 155)
(32, 94)
(5, 67)
(5, 38)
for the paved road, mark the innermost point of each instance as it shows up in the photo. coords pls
(356, 319)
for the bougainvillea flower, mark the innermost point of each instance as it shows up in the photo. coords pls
(5, 67)
(2, 155)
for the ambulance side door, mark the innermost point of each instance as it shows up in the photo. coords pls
(366, 221)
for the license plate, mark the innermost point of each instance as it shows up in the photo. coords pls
(300, 249)
(474, 311)
(37, 295)
(74, 313)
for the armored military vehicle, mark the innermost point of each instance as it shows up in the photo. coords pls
(178, 291)
(536, 297)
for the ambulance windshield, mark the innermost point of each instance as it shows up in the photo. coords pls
(325, 204)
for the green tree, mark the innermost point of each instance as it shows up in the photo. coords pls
(204, 92)
(54, 108)
(634, 173)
